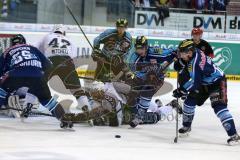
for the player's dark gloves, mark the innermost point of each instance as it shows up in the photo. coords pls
(96, 54)
(180, 93)
(179, 65)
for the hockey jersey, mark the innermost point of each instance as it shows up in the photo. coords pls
(55, 44)
(112, 44)
(154, 56)
(23, 61)
(202, 71)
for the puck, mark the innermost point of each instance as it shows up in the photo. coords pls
(117, 136)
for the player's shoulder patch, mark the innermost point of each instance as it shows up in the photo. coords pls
(190, 68)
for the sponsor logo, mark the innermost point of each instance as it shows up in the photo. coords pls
(149, 19)
(234, 23)
(223, 57)
(207, 22)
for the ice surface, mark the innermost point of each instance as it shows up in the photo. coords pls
(41, 139)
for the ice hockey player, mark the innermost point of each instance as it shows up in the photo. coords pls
(61, 51)
(23, 65)
(148, 65)
(206, 81)
(112, 109)
(116, 42)
(201, 44)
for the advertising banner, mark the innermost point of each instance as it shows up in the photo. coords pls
(227, 55)
(233, 24)
(179, 21)
(226, 52)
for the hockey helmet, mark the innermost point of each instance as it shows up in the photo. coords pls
(141, 41)
(122, 22)
(18, 39)
(59, 28)
(186, 45)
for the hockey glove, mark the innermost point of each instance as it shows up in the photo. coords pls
(96, 54)
(179, 65)
(180, 93)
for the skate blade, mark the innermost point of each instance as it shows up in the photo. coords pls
(184, 135)
(233, 143)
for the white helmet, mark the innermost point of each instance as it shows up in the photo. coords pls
(59, 28)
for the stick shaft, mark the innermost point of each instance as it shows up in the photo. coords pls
(176, 138)
(74, 18)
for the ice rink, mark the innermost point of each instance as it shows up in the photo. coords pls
(42, 139)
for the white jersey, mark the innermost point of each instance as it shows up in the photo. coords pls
(55, 44)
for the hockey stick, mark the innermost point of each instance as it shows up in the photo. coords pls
(177, 109)
(74, 18)
(79, 26)
(31, 113)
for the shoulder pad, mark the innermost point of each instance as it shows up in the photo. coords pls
(128, 35)
(110, 31)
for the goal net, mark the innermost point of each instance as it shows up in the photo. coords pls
(5, 42)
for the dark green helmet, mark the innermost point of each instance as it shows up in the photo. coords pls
(122, 22)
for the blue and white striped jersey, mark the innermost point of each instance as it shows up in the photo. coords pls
(202, 71)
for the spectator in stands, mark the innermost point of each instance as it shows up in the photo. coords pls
(174, 3)
(219, 5)
(4, 10)
(200, 4)
(142, 3)
(163, 9)
(180, 4)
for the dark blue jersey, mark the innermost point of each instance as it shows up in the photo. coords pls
(112, 43)
(24, 61)
(202, 71)
(155, 56)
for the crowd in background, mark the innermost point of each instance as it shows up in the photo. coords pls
(213, 5)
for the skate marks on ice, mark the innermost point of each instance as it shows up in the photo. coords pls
(35, 155)
(90, 143)
(41, 135)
